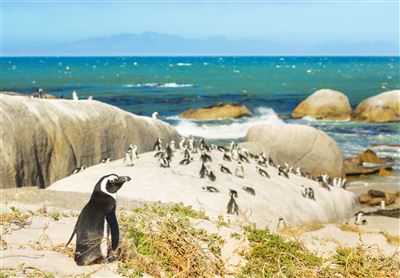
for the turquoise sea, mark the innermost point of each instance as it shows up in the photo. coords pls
(266, 85)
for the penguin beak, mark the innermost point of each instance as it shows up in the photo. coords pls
(123, 179)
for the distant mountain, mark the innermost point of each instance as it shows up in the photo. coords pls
(152, 43)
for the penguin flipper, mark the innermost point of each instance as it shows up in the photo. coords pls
(72, 236)
(113, 224)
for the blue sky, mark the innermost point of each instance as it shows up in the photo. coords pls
(304, 22)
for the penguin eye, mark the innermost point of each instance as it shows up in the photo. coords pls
(112, 180)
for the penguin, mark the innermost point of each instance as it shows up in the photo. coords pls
(182, 143)
(128, 159)
(172, 145)
(304, 191)
(186, 154)
(203, 145)
(364, 222)
(222, 149)
(203, 171)
(159, 153)
(90, 98)
(298, 171)
(211, 189)
(243, 158)
(310, 194)
(210, 174)
(343, 183)
(169, 151)
(281, 223)
(235, 154)
(186, 161)
(249, 190)
(154, 115)
(75, 96)
(225, 169)
(134, 149)
(89, 229)
(262, 172)
(232, 207)
(239, 172)
(157, 145)
(205, 157)
(78, 169)
(103, 160)
(282, 172)
(164, 161)
(191, 144)
(41, 93)
(226, 157)
(358, 218)
(232, 146)
(324, 185)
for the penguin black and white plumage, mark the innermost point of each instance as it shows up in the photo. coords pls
(281, 223)
(169, 151)
(211, 189)
(262, 172)
(210, 174)
(324, 185)
(128, 159)
(75, 96)
(224, 169)
(243, 158)
(154, 115)
(304, 191)
(182, 143)
(186, 153)
(205, 157)
(78, 169)
(89, 228)
(186, 161)
(191, 145)
(157, 145)
(283, 172)
(239, 172)
(203, 145)
(222, 149)
(232, 207)
(172, 145)
(358, 217)
(226, 157)
(249, 190)
(203, 171)
(164, 161)
(310, 194)
(105, 160)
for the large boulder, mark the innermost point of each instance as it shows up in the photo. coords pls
(381, 108)
(43, 140)
(299, 145)
(217, 112)
(324, 104)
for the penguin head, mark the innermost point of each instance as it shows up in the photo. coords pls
(110, 184)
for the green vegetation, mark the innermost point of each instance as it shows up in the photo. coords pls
(160, 240)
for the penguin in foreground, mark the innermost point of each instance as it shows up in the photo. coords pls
(89, 228)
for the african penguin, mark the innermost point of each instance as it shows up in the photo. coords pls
(224, 169)
(239, 172)
(281, 223)
(211, 189)
(75, 96)
(232, 207)
(89, 228)
(262, 172)
(249, 190)
(157, 145)
(154, 115)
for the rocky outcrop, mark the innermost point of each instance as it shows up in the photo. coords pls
(375, 197)
(324, 104)
(217, 112)
(381, 108)
(367, 163)
(43, 140)
(299, 145)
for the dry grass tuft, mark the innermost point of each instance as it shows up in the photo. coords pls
(394, 240)
(159, 241)
(348, 228)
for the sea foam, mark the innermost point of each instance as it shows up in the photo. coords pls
(226, 129)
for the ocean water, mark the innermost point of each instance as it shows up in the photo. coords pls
(266, 85)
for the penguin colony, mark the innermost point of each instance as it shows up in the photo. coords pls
(192, 149)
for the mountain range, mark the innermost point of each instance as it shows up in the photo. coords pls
(152, 43)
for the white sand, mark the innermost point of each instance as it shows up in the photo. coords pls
(275, 197)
